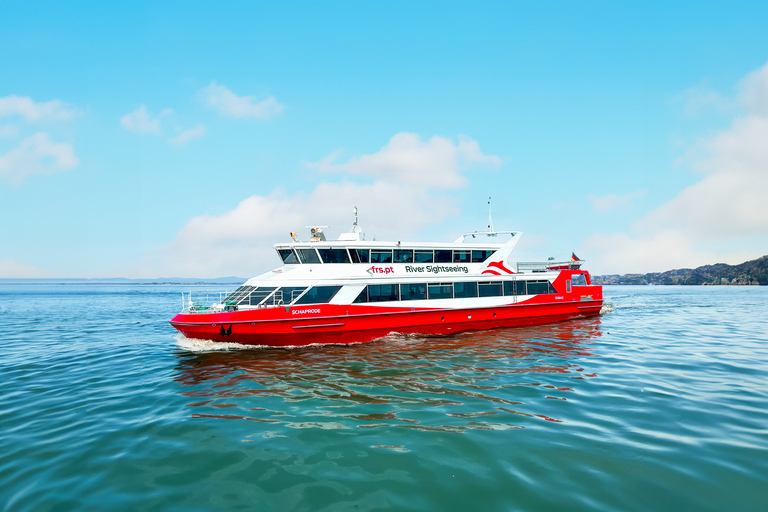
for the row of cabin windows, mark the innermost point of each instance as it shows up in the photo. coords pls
(272, 295)
(327, 255)
(458, 290)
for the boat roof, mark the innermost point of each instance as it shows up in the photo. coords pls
(478, 239)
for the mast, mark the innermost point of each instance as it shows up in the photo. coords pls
(490, 218)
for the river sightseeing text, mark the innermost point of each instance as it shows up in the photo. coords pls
(430, 269)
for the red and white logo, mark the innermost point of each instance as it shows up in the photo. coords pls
(498, 269)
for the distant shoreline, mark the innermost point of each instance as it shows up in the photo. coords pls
(749, 273)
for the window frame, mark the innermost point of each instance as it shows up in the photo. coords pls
(381, 252)
(410, 285)
(285, 259)
(447, 285)
(310, 250)
(465, 283)
(485, 286)
(402, 252)
(300, 301)
(337, 250)
(381, 298)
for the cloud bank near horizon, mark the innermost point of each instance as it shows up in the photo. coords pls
(727, 205)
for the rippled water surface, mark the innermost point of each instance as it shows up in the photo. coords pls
(659, 404)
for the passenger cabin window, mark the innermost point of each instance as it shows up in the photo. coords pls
(359, 255)
(403, 256)
(288, 294)
(381, 256)
(318, 295)
(464, 290)
(423, 256)
(479, 256)
(538, 287)
(462, 256)
(382, 292)
(333, 255)
(238, 295)
(259, 294)
(289, 257)
(579, 280)
(489, 289)
(413, 291)
(440, 291)
(443, 256)
(458, 290)
(308, 255)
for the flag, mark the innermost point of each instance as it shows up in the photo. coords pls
(574, 257)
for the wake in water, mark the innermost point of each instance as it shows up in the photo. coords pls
(195, 345)
(607, 308)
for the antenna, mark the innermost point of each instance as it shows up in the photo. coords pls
(490, 219)
(355, 226)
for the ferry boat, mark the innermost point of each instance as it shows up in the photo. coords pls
(354, 291)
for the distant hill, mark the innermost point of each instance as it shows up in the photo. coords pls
(754, 272)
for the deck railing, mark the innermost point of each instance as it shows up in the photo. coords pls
(209, 301)
(546, 266)
(202, 301)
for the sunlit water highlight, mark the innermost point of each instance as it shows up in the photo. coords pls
(661, 403)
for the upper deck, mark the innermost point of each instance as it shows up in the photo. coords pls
(350, 248)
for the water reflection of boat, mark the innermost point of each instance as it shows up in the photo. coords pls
(471, 375)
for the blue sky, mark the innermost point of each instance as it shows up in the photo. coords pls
(160, 139)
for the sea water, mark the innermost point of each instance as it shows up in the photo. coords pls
(661, 404)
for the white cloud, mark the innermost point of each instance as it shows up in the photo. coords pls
(187, 135)
(753, 91)
(227, 103)
(238, 242)
(436, 163)
(721, 218)
(12, 269)
(392, 206)
(36, 155)
(616, 201)
(30, 110)
(141, 121)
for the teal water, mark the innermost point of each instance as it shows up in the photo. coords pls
(659, 404)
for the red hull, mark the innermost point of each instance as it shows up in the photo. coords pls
(347, 324)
